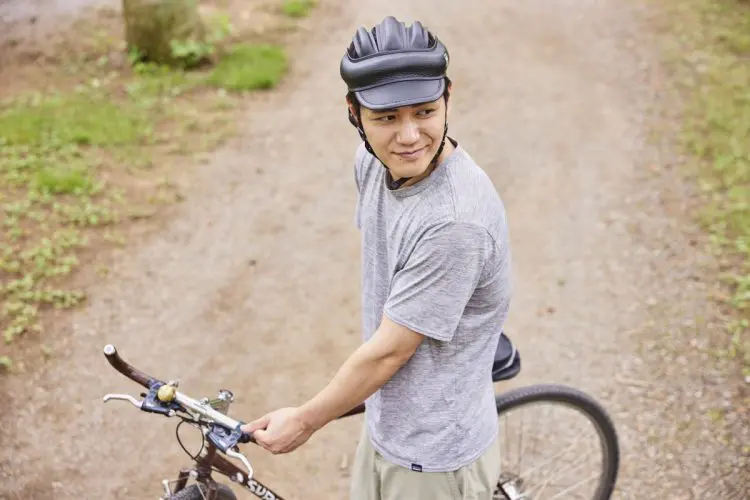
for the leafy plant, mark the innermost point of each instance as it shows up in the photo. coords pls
(297, 8)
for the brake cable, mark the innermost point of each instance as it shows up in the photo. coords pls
(184, 420)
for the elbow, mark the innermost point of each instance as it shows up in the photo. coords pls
(389, 366)
(393, 345)
(398, 358)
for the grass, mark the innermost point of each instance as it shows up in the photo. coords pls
(50, 193)
(250, 67)
(297, 8)
(77, 119)
(80, 162)
(709, 52)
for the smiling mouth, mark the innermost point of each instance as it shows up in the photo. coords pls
(407, 155)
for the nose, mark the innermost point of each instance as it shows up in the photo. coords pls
(408, 133)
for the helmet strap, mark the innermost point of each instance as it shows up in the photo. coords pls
(442, 141)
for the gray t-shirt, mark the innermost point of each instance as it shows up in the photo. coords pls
(435, 259)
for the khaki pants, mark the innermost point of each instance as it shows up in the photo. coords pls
(374, 478)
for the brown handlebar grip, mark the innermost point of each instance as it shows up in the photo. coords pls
(360, 408)
(110, 352)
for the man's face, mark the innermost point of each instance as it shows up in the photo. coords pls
(406, 138)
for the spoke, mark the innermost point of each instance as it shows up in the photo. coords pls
(552, 459)
(535, 441)
(506, 438)
(549, 480)
(542, 479)
(520, 443)
(595, 476)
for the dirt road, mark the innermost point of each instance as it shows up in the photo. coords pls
(254, 283)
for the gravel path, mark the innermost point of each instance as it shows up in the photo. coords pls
(253, 285)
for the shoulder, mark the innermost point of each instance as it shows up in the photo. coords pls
(465, 175)
(362, 158)
(474, 196)
(364, 163)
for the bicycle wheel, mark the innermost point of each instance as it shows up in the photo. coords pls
(529, 448)
(199, 492)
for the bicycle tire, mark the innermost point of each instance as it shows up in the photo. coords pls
(198, 492)
(587, 405)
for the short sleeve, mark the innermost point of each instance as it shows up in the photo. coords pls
(431, 291)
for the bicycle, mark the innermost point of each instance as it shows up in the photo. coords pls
(224, 434)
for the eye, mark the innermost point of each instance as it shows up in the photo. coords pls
(384, 118)
(426, 111)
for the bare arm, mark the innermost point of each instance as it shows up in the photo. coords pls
(366, 370)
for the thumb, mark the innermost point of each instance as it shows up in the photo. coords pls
(258, 424)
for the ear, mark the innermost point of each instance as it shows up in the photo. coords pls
(353, 111)
(352, 115)
(353, 119)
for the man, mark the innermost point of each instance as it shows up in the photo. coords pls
(435, 286)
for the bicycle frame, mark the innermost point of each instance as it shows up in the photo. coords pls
(204, 468)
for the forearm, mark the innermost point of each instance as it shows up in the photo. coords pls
(366, 370)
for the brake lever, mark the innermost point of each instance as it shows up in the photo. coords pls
(226, 441)
(125, 397)
(151, 402)
(243, 459)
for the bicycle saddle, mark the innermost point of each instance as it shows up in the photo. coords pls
(507, 362)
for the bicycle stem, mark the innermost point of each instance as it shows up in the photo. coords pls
(206, 411)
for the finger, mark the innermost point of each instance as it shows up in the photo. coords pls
(262, 438)
(260, 423)
(247, 428)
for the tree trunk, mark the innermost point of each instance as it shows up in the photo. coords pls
(152, 25)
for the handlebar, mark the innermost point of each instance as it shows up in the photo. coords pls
(163, 398)
(110, 352)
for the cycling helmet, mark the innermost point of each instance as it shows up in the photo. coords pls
(393, 65)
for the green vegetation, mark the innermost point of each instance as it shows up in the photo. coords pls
(249, 67)
(710, 54)
(81, 160)
(49, 190)
(298, 8)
